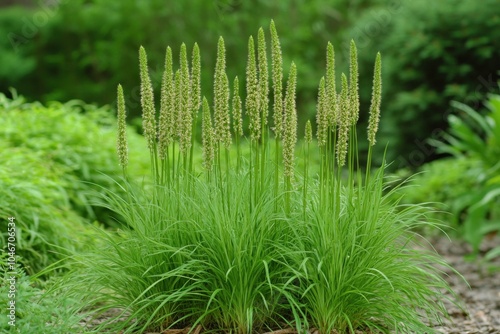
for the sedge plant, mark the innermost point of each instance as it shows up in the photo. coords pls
(249, 242)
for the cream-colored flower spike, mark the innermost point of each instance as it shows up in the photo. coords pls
(345, 122)
(263, 77)
(277, 76)
(330, 102)
(165, 128)
(322, 114)
(207, 134)
(195, 80)
(376, 101)
(236, 106)
(147, 101)
(353, 84)
(186, 115)
(221, 98)
(308, 132)
(253, 94)
(290, 124)
(122, 146)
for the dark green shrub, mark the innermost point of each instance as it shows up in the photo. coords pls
(88, 46)
(477, 137)
(434, 52)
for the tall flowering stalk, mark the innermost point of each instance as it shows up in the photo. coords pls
(147, 102)
(186, 114)
(277, 78)
(376, 101)
(166, 120)
(263, 78)
(344, 123)
(290, 127)
(330, 102)
(253, 94)
(353, 83)
(237, 119)
(121, 145)
(207, 134)
(221, 98)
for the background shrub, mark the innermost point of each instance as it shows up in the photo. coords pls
(434, 52)
(52, 160)
(73, 57)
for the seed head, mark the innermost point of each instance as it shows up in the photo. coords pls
(253, 94)
(308, 132)
(263, 76)
(207, 134)
(353, 84)
(322, 114)
(186, 116)
(376, 101)
(147, 101)
(277, 74)
(221, 97)
(290, 123)
(344, 122)
(236, 106)
(165, 130)
(122, 146)
(330, 103)
(195, 80)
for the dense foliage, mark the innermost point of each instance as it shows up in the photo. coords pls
(435, 52)
(52, 158)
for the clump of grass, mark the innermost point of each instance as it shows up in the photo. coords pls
(250, 244)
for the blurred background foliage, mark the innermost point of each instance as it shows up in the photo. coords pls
(433, 52)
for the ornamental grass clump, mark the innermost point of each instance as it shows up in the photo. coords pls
(249, 243)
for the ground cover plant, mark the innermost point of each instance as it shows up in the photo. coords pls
(253, 243)
(476, 137)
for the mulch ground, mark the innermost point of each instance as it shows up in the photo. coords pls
(481, 298)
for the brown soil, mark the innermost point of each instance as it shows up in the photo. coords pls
(481, 298)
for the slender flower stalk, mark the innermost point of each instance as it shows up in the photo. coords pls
(344, 122)
(353, 83)
(207, 135)
(290, 124)
(195, 80)
(252, 99)
(263, 77)
(147, 102)
(376, 101)
(177, 116)
(165, 129)
(236, 107)
(122, 146)
(221, 97)
(277, 76)
(186, 115)
(330, 100)
(322, 120)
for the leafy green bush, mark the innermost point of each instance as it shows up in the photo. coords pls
(34, 312)
(477, 137)
(435, 52)
(51, 158)
(249, 244)
(446, 184)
